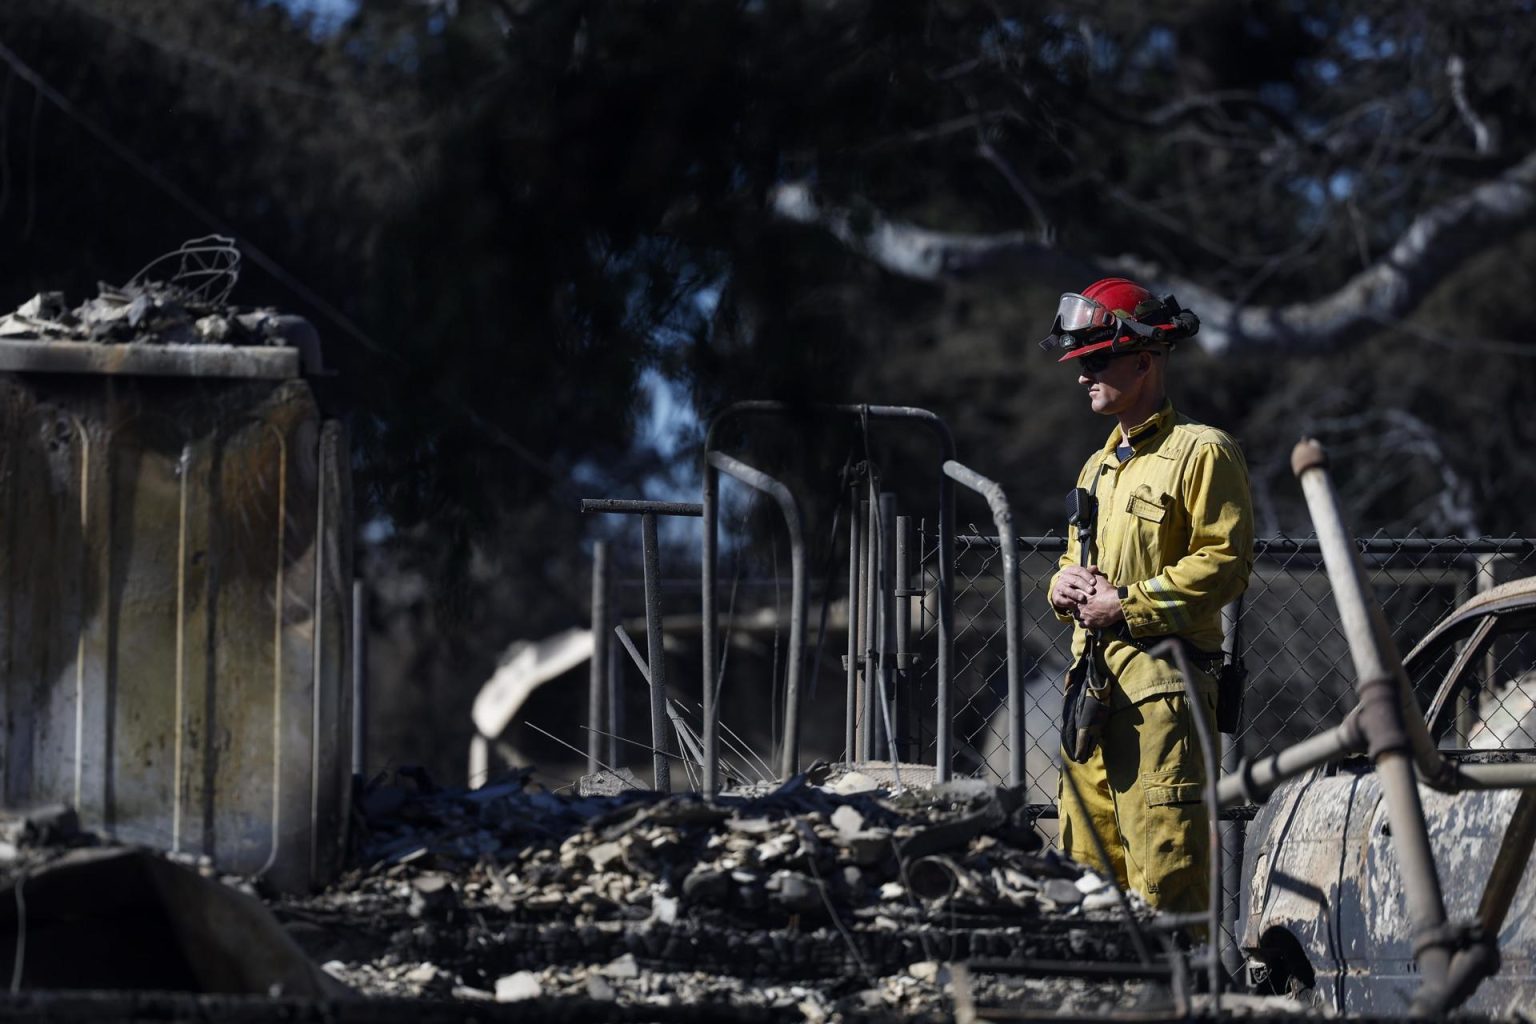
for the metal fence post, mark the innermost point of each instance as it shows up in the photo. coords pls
(861, 628)
(907, 702)
(1002, 517)
(1467, 703)
(867, 729)
(359, 678)
(888, 707)
(598, 678)
(655, 655)
(758, 480)
(855, 582)
(1233, 833)
(615, 701)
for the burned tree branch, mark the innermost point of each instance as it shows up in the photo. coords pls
(1434, 245)
(1482, 135)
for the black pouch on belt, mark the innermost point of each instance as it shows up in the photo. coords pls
(1084, 709)
(1229, 696)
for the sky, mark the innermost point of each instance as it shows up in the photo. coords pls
(325, 11)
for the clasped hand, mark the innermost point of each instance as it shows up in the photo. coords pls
(1087, 596)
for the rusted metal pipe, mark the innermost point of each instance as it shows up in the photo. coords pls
(1496, 776)
(1205, 733)
(1253, 781)
(758, 480)
(1002, 518)
(1380, 675)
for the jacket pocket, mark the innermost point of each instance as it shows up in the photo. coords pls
(1144, 505)
(1179, 785)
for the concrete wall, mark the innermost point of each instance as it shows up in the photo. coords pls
(175, 578)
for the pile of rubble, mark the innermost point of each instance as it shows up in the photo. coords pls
(148, 313)
(826, 895)
(181, 298)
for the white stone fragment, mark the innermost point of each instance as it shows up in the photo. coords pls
(847, 821)
(422, 974)
(854, 782)
(516, 987)
(622, 967)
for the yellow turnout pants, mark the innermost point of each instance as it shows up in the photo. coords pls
(1144, 791)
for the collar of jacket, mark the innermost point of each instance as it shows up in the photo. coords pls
(1155, 426)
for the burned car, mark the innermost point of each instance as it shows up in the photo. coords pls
(1325, 912)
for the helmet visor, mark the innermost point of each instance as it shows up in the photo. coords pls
(1076, 313)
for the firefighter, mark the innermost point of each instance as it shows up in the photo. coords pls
(1163, 538)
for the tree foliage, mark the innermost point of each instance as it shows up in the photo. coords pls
(502, 214)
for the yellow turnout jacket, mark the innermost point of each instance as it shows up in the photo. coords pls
(1175, 533)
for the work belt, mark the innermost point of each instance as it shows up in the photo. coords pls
(1230, 676)
(1209, 662)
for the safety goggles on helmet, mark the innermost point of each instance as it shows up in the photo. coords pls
(1084, 326)
(1079, 313)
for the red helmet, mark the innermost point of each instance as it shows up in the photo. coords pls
(1117, 315)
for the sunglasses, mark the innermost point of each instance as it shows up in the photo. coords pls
(1098, 362)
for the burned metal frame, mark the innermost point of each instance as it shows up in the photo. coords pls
(857, 568)
(789, 762)
(876, 703)
(1002, 518)
(1386, 724)
(657, 675)
(711, 485)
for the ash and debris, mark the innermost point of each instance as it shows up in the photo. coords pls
(149, 313)
(35, 837)
(825, 898)
(181, 298)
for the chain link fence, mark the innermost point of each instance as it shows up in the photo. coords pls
(1286, 628)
